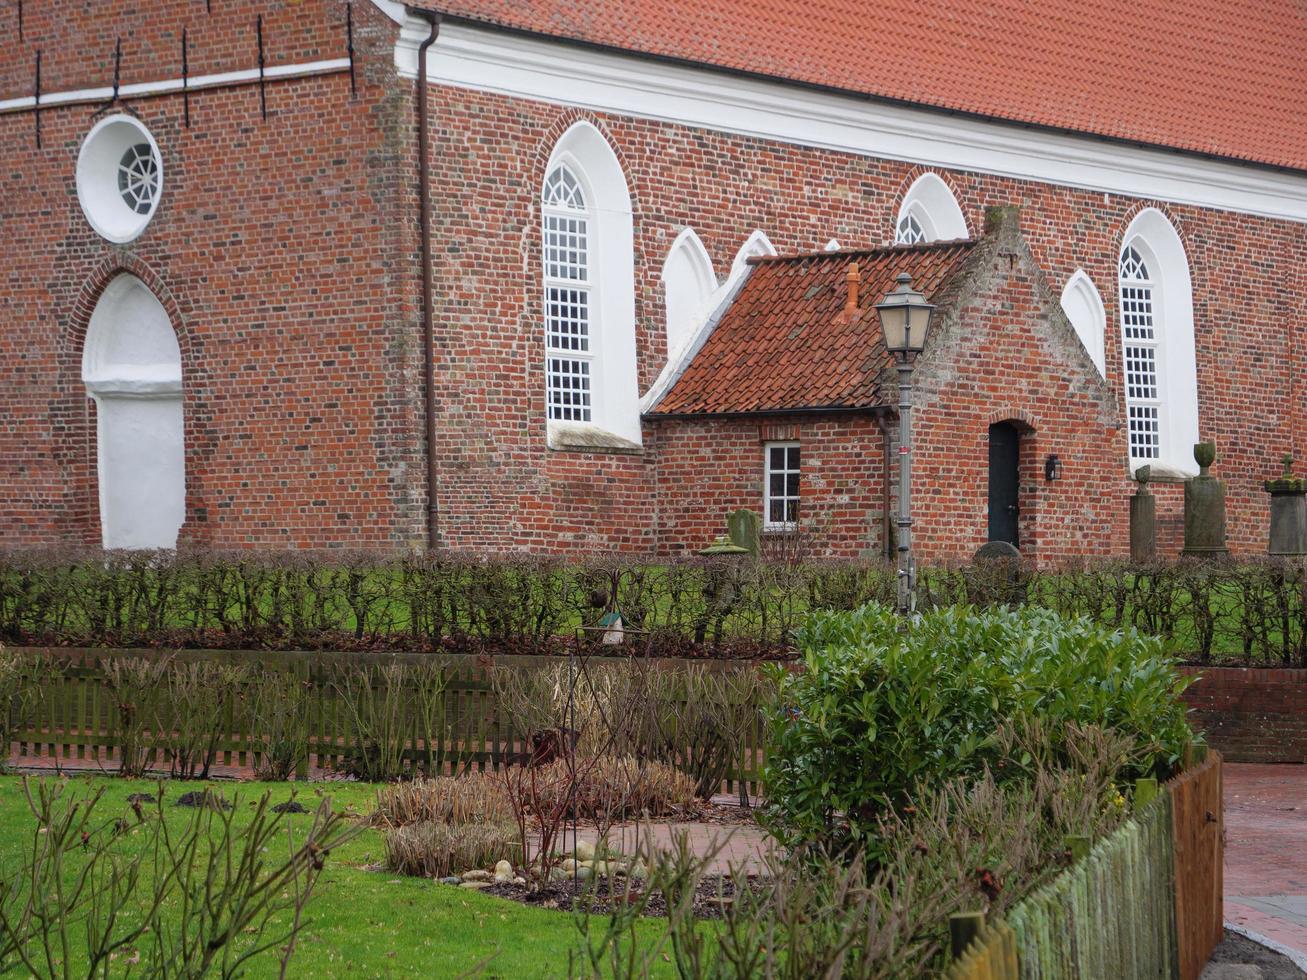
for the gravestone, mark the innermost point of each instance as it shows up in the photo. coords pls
(1288, 512)
(744, 528)
(1204, 507)
(1143, 518)
(996, 576)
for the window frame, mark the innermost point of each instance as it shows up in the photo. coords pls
(768, 497)
(584, 359)
(1156, 346)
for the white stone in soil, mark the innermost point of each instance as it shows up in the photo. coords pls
(585, 851)
(477, 875)
(476, 884)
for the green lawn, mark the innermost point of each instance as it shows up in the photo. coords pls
(360, 922)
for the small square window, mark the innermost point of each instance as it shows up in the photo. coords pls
(781, 485)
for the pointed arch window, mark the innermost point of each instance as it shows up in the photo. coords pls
(588, 268)
(929, 213)
(910, 231)
(1140, 340)
(1155, 289)
(568, 287)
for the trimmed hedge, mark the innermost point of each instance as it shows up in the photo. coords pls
(1250, 612)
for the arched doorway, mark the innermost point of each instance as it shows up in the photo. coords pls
(132, 368)
(1004, 482)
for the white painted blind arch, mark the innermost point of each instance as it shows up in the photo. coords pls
(1157, 345)
(688, 281)
(589, 295)
(1083, 306)
(929, 213)
(756, 244)
(131, 366)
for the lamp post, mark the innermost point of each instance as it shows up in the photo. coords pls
(905, 320)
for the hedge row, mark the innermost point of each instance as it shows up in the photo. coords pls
(1249, 612)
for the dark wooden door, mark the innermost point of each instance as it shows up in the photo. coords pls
(1004, 473)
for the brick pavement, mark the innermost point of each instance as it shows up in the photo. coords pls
(1266, 852)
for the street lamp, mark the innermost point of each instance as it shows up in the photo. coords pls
(905, 320)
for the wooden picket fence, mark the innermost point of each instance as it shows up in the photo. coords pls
(76, 725)
(1145, 902)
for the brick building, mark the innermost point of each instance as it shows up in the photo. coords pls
(639, 222)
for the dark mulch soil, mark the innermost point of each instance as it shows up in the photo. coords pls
(290, 806)
(1240, 950)
(198, 798)
(713, 893)
(142, 798)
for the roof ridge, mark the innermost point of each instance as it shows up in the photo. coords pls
(839, 253)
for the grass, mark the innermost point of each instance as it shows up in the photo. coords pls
(360, 922)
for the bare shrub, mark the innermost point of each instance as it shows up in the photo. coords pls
(281, 709)
(437, 850)
(474, 798)
(198, 706)
(207, 896)
(392, 712)
(23, 679)
(616, 788)
(133, 683)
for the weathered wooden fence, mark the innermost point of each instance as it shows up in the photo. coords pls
(78, 721)
(1198, 833)
(1144, 903)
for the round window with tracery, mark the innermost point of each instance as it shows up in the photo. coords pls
(119, 177)
(138, 178)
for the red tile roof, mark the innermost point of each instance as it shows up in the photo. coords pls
(784, 343)
(1220, 77)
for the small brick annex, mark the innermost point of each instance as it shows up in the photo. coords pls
(287, 253)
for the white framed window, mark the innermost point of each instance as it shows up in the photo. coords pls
(588, 269)
(1157, 347)
(781, 485)
(929, 213)
(1140, 342)
(569, 352)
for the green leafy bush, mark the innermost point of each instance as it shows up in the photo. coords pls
(884, 708)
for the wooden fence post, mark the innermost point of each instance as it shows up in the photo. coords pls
(963, 927)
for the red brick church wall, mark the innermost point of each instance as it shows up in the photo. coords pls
(289, 250)
(276, 250)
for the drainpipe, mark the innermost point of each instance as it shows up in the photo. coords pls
(887, 546)
(428, 326)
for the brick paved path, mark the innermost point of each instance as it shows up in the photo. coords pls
(1266, 852)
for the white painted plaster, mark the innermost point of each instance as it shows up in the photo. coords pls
(931, 202)
(1083, 306)
(688, 281)
(97, 177)
(552, 71)
(131, 366)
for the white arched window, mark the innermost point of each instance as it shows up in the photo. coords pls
(688, 282)
(131, 366)
(1084, 308)
(929, 213)
(589, 280)
(1157, 344)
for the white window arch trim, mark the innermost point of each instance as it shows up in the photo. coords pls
(929, 213)
(1156, 320)
(1083, 306)
(688, 283)
(614, 415)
